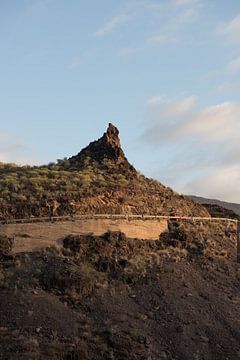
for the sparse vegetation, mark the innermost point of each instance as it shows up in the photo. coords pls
(110, 297)
(97, 180)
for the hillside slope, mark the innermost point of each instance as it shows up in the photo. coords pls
(97, 180)
(111, 298)
(224, 204)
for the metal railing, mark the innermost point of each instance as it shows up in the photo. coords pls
(111, 216)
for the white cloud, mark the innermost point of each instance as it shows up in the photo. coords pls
(222, 183)
(155, 100)
(231, 29)
(167, 117)
(213, 123)
(208, 143)
(174, 106)
(112, 24)
(233, 66)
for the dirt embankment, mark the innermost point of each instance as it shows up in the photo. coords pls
(111, 297)
(31, 237)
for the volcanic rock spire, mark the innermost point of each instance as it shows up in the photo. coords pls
(105, 150)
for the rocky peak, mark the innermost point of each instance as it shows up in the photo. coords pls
(108, 147)
(112, 136)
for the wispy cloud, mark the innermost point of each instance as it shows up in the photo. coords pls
(230, 30)
(223, 78)
(233, 66)
(186, 2)
(155, 101)
(112, 24)
(174, 17)
(228, 87)
(222, 183)
(208, 140)
(214, 124)
(180, 119)
(166, 108)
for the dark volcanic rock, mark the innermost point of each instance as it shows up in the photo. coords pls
(6, 244)
(221, 212)
(107, 148)
(117, 298)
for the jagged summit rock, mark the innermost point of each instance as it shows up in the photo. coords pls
(112, 136)
(104, 150)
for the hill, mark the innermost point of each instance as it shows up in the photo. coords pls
(233, 207)
(99, 179)
(110, 297)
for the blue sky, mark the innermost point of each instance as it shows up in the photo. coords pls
(167, 73)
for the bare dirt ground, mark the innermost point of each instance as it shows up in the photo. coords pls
(111, 297)
(35, 236)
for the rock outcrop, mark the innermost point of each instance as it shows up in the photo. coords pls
(102, 151)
